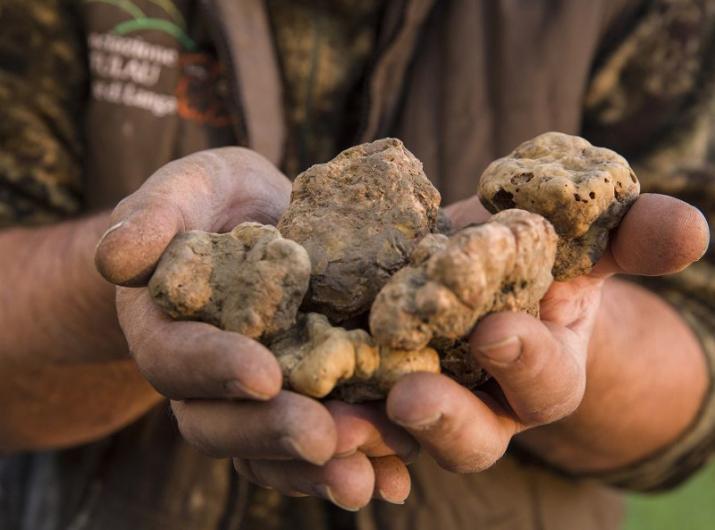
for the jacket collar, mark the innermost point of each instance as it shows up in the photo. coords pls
(245, 44)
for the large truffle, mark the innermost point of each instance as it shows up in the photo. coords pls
(583, 190)
(359, 217)
(250, 280)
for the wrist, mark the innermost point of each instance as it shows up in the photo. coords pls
(62, 310)
(646, 380)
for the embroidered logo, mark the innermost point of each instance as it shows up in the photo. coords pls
(201, 92)
(139, 21)
(126, 68)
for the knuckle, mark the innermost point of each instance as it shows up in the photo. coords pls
(152, 364)
(472, 462)
(195, 165)
(244, 468)
(148, 368)
(542, 415)
(190, 429)
(480, 456)
(253, 471)
(557, 397)
(183, 422)
(551, 412)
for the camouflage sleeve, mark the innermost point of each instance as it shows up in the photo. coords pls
(651, 98)
(42, 78)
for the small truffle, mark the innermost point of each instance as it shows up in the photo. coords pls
(583, 190)
(359, 216)
(249, 280)
(317, 357)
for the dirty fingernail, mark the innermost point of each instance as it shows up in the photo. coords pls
(324, 491)
(109, 231)
(236, 389)
(297, 450)
(420, 424)
(380, 494)
(345, 454)
(504, 351)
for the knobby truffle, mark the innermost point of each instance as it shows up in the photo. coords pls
(250, 280)
(584, 191)
(504, 264)
(316, 356)
(359, 216)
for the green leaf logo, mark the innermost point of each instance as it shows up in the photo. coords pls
(175, 26)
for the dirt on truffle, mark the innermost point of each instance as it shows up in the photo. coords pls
(250, 280)
(359, 216)
(584, 191)
(504, 264)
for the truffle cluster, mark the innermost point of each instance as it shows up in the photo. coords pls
(361, 282)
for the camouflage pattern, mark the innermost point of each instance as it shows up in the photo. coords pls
(42, 87)
(654, 82)
(658, 85)
(324, 48)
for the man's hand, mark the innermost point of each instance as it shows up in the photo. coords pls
(225, 388)
(540, 366)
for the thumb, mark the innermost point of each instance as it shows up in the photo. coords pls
(128, 251)
(211, 190)
(659, 235)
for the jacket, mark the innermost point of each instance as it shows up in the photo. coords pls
(461, 82)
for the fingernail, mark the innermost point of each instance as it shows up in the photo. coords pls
(299, 451)
(109, 231)
(236, 389)
(345, 454)
(380, 494)
(504, 351)
(324, 491)
(422, 424)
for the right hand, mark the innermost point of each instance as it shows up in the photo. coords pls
(226, 388)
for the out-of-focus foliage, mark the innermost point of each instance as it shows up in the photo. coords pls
(690, 507)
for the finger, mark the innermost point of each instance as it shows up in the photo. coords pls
(540, 370)
(467, 212)
(461, 432)
(367, 429)
(192, 359)
(211, 190)
(392, 480)
(288, 426)
(346, 482)
(659, 235)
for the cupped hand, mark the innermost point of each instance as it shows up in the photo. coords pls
(539, 366)
(225, 389)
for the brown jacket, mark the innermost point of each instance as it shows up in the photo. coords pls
(461, 82)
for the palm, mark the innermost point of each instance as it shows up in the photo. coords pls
(569, 309)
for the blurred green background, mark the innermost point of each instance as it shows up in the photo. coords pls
(690, 507)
